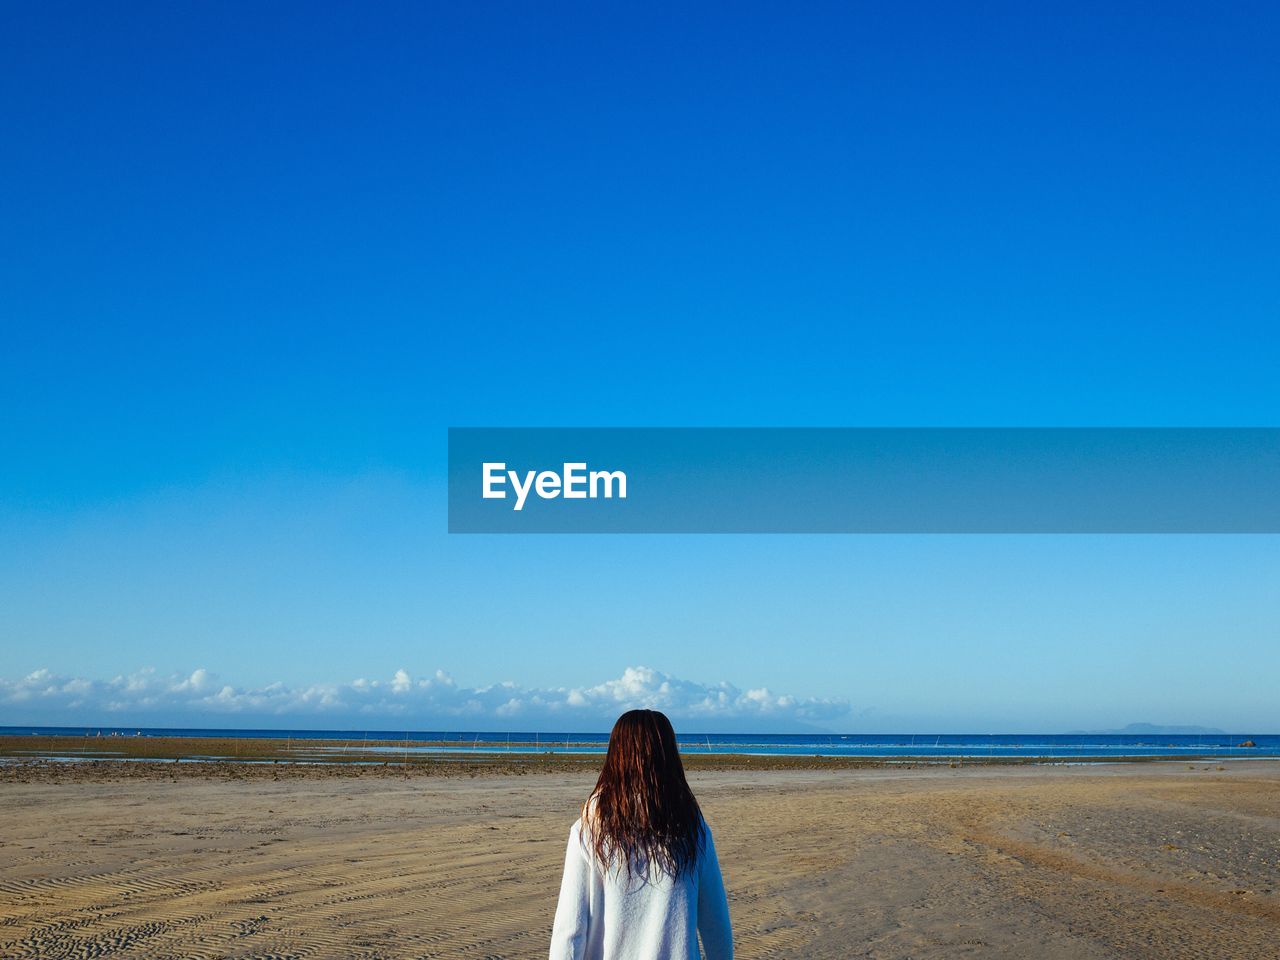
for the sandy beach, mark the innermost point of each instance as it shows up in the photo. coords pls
(181, 860)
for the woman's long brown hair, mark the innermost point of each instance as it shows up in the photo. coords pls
(642, 810)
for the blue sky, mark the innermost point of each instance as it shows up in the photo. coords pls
(254, 262)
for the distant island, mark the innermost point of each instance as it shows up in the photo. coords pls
(1152, 729)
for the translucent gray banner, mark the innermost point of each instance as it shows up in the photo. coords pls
(864, 480)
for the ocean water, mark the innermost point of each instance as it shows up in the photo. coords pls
(940, 746)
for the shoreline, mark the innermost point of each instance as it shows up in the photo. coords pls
(21, 771)
(32, 752)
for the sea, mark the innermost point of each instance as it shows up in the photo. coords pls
(940, 746)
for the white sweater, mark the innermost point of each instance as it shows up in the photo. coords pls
(603, 915)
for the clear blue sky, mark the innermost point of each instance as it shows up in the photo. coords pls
(255, 260)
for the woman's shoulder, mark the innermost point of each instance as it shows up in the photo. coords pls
(582, 826)
(580, 836)
(588, 814)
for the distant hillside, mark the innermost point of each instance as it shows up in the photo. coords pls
(1153, 729)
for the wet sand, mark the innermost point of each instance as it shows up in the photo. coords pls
(1163, 860)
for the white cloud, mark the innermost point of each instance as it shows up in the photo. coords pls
(436, 700)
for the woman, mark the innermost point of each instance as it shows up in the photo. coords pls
(641, 879)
